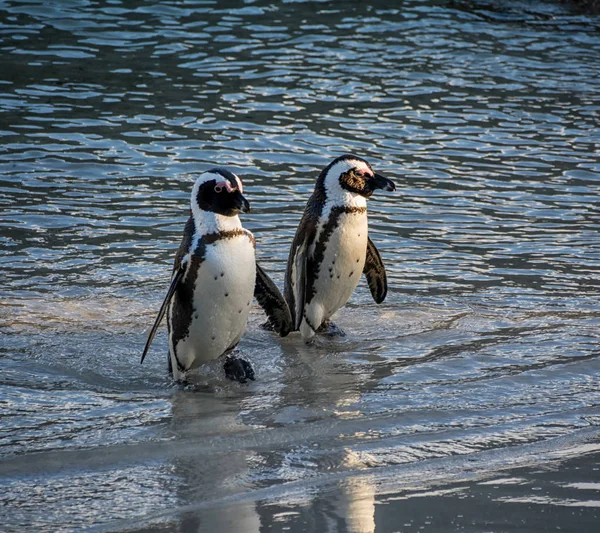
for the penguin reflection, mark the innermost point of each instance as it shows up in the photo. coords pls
(210, 465)
(319, 389)
(226, 445)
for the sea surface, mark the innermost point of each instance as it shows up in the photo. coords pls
(467, 401)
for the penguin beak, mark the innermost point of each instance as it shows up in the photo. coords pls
(381, 182)
(241, 204)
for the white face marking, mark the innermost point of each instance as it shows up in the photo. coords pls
(208, 222)
(336, 195)
(203, 178)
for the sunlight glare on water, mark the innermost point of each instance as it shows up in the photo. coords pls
(467, 401)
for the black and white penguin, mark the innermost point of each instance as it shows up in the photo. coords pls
(332, 248)
(215, 277)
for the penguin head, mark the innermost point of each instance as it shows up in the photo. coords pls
(220, 191)
(355, 175)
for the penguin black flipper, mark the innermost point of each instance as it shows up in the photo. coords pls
(296, 278)
(272, 302)
(296, 274)
(179, 267)
(300, 264)
(374, 271)
(177, 277)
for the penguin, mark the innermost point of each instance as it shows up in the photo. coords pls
(332, 248)
(215, 276)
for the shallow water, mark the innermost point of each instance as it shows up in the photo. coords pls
(467, 401)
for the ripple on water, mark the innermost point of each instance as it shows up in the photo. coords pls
(484, 354)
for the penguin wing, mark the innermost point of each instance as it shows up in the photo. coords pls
(178, 272)
(374, 271)
(296, 273)
(296, 276)
(177, 277)
(300, 266)
(274, 305)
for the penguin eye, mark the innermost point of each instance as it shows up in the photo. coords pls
(225, 185)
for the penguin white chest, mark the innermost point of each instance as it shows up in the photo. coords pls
(223, 292)
(343, 262)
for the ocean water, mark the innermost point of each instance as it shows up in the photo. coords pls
(467, 401)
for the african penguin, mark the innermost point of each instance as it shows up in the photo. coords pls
(215, 277)
(332, 248)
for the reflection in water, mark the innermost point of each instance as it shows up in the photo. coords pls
(227, 469)
(481, 366)
(358, 506)
(213, 474)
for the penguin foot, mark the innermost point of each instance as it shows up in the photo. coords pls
(330, 329)
(238, 370)
(283, 329)
(268, 326)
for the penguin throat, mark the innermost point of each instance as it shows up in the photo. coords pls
(339, 197)
(209, 222)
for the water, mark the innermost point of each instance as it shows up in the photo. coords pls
(467, 401)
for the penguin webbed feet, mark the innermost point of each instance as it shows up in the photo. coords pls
(237, 369)
(268, 326)
(330, 329)
(282, 329)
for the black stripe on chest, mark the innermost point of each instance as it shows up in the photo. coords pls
(199, 253)
(313, 264)
(182, 310)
